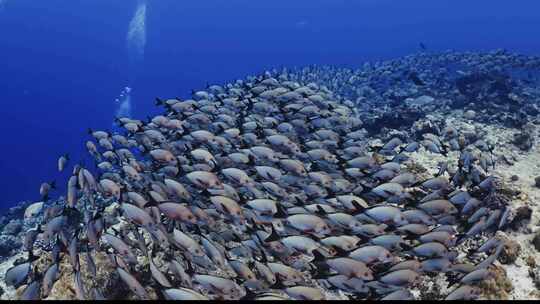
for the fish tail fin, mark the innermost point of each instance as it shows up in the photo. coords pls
(406, 246)
(341, 252)
(409, 236)
(320, 210)
(274, 236)
(320, 271)
(418, 183)
(452, 280)
(357, 206)
(460, 237)
(281, 212)
(318, 256)
(297, 202)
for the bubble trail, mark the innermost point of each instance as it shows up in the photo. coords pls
(135, 43)
(136, 35)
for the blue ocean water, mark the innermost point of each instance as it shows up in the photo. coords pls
(63, 63)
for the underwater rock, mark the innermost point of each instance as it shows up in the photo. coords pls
(523, 141)
(511, 249)
(397, 118)
(534, 273)
(531, 261)
(427, 125)
(13, 227)
(479, 84)
(537, 181)
(531, 108)
(420, 102)
(469, 114)
(522, 215)
(536, 241)
(103, 281)
(525, 138)
(433, 288)
(17, 211)
(8, 244)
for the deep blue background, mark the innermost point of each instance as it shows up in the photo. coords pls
(63, 62)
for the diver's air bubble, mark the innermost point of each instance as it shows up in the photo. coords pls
(136, 36)
(124, 103)
(136, 42)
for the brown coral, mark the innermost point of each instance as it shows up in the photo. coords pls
(511, 249)
(498, 286)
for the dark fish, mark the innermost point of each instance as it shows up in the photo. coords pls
(79, 287)
(31, 292)
(51, 275)
(133, 284)
(91, 266)
(413, 76)
(18, 274)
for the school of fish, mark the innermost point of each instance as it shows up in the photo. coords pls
(264, 188)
